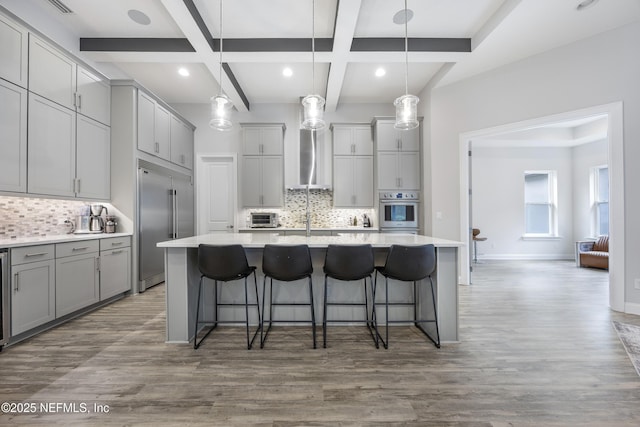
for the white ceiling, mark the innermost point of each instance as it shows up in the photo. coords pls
(499, 32)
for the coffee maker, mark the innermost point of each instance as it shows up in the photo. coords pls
(96, 222)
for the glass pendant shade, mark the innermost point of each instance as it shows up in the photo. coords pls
(313, 112)
(221, 113)
(406, 112)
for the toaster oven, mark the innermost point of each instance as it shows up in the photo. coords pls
(264, 220)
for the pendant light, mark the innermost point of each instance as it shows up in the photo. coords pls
(406, 105)
(313, 104)
(221, 105)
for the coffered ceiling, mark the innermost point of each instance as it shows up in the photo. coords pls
(449, 40)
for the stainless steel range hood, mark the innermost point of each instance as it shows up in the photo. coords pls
(310, 166)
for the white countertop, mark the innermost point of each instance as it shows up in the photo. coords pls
(350, 228)
(45, 240)
(258, 240)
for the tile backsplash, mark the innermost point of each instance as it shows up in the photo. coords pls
(323, 214)
(32, 217)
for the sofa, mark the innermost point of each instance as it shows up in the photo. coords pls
(595, 254)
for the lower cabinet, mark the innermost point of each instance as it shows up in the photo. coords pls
(115, 267)
(51, 281)
(77, 276)
(33, 299)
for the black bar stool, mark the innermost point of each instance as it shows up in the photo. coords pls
(407, 264)
(348, 263)
(286, 264)
(225, 264)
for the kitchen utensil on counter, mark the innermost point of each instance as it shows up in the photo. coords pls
(110, 224)
(96, 223)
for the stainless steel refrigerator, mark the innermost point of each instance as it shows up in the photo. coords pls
(165, 211)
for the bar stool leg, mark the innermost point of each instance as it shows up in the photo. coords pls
(324, 315)
(246, 312)
(195, 335)
(313, 315)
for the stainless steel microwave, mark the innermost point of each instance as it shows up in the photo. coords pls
(264, 220)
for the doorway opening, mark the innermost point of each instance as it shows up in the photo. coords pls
(606, 118)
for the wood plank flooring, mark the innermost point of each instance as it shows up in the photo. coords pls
(537, 349)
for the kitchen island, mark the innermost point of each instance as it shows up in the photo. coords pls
(182, 277)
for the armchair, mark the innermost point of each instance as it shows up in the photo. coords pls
(594, 254)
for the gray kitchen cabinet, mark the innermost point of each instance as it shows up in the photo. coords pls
(263, 181)
(263, 164)
(58, 78)
(265, 139)
(77, 276)
(181, 143)
(352, 139)
(52, 74)
(352, 165)
(353, 181)
(33, 289)
(398, 170)
(93, 96)
(13, 52)
(93, 153)
(51, 164)
(13, 138)
(115, 267)
(68, 154)
(154, 127)
(389, 138)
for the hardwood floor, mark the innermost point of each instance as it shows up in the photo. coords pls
(537, 348)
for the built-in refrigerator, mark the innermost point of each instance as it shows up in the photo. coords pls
(165, 212)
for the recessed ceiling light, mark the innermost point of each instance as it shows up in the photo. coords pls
(183, 72)
(380, 72)
(139, 17)
(403, 16)
(287, 72)
(585, 4)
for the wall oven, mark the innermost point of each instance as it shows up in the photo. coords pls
(399, 212)
(4, 297)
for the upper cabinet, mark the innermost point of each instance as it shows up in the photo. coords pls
(56, 77)
(352, 139)
(262, 164)
(389, 138)
(181, 143)
(13, 137)
(93, 97)
(13, 52)
(262, 139)
(162, 134)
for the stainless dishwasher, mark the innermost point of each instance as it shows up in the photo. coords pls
(4, 297)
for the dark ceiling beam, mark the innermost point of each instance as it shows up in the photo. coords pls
(235, 83)
(275, 45)
(414, 45)
(135, 45)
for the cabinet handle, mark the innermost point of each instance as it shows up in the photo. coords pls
(35, 254)
(97, 263)
(117, 243)
(353, 148)
(262, 200)
(77, 185)
(400, 144)
(182, 158)
(84, 248)
(79, 101)
(116, 252)
(75, 99)
(353, 200)
(15, 280)
(401, 183)
(261, 148)
(157, 147)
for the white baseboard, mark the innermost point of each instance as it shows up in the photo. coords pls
(527, 257)
(632, 308)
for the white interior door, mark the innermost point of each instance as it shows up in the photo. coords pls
(217, 195)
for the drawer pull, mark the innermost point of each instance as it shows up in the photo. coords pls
(17, 287)
(117, 243)
(35, 254)
(84, 248)
(116, 252)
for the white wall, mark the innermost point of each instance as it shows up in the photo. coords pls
(600, 70)
(498, 201)
(585, 157)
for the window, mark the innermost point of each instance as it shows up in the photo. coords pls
(540, 203)
(601, 200)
